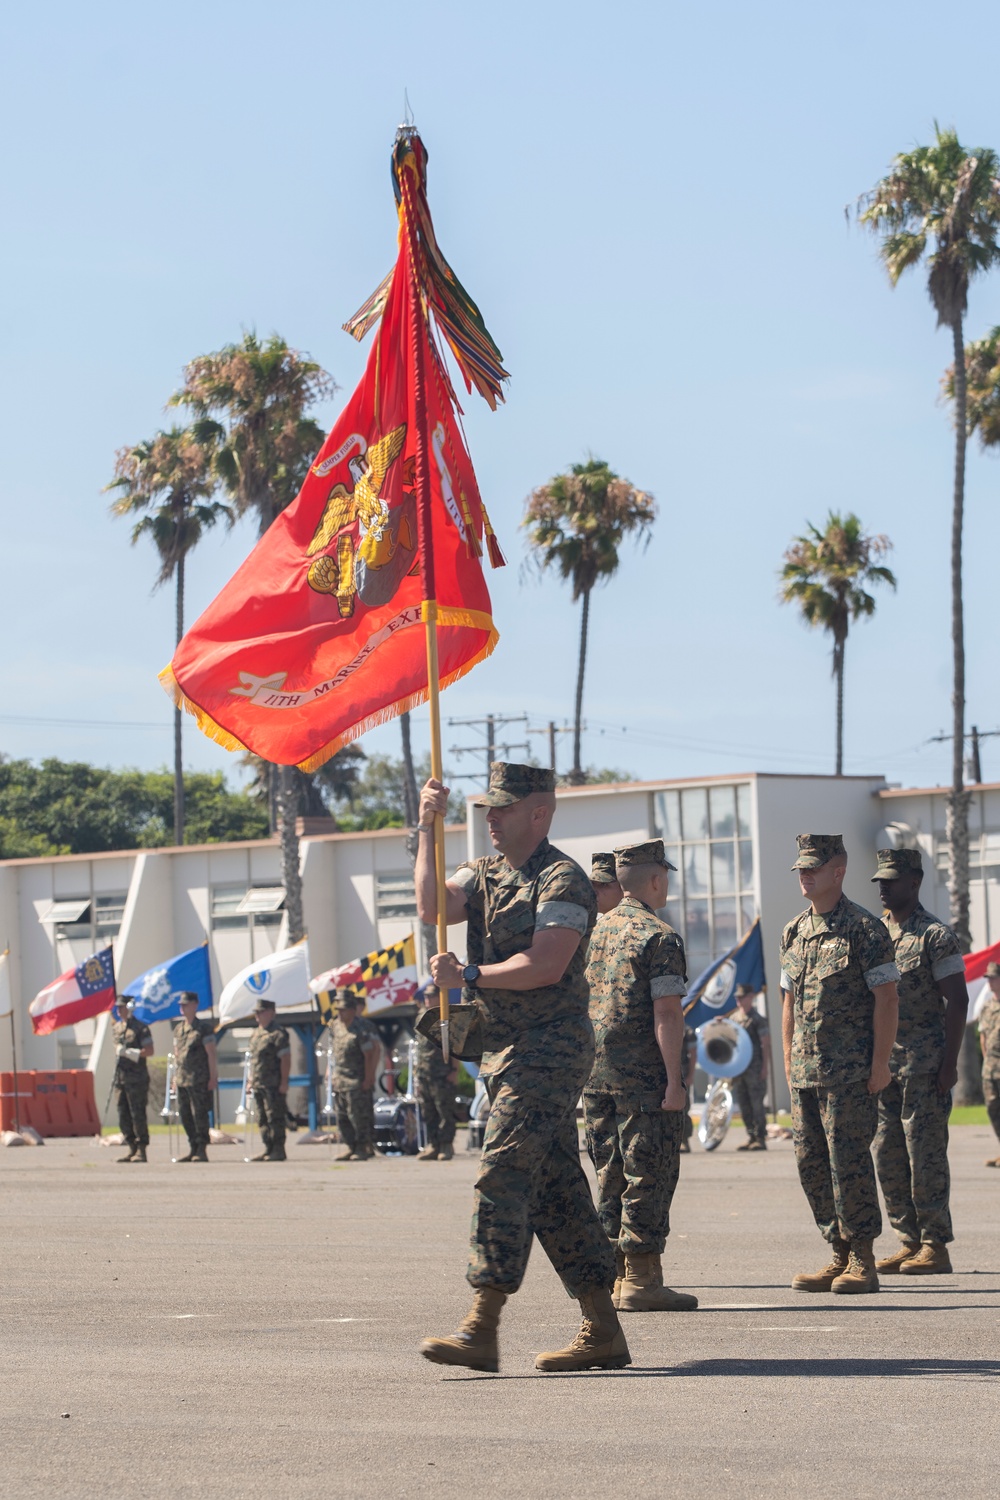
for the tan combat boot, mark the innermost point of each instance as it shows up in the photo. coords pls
(474, 1342)
(599, 1345)
(893, 1263)
(860, 1275)
(930, 1260)
(642, 1288)
(619, 1275)
(429, 1153)
(822, 1281)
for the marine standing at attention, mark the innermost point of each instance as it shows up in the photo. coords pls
(133, 1044)
(989, 1042)
(530, 911)
(604, 879)
(270, 1067)
(635, 1101)
(356, 1054)
(435, 1080)
(911, 1147)
(750, 1086)
(197, 1075)
(838, 978)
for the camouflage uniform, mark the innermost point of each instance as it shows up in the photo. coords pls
(355, 1103)
(989, 1030)
(911, 1147)
(192, 1074)
(435, 1087)
(634, 959)
(750, 1086)
(830, 964)
(132, 1081)
(268, 1045)
(538, 1053)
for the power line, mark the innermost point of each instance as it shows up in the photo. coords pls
(492, 750)
(32, 719)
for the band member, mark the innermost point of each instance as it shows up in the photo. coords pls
(435, 1080)
(133, 1044)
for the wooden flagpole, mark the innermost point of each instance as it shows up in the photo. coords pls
(13, 1045)
(425, 531)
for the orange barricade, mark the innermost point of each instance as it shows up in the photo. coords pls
(52, 1103)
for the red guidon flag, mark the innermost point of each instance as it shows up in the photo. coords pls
(318, 637)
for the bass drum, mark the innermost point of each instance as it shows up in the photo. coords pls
(716, 1115)
(396, 1126)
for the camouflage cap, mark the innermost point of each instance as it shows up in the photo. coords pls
(602, 869)
(510, 783)
(895, 862)
(993, 969)
(649, 853)
(342, 995)
(816, 849)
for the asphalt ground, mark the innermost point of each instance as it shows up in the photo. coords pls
(245, 1331)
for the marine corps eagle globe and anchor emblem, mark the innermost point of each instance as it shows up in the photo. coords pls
(362, 548)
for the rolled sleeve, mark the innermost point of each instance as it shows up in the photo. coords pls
(945, 967)
(784, 982)
(667, 985)
(562, 914)
(464, 877)
(883, 974)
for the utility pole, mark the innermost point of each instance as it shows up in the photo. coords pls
(974, 765)
(552, 729)
(492, 750)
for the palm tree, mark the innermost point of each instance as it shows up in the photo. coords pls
(249, 399)
(576, 524)
(982, 383)
(951, 196)
(825, 573)
(168, 482)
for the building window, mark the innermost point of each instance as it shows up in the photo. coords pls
(80, 917)
(395, 897)
(234, 906)
(707, 834)
(108, 914)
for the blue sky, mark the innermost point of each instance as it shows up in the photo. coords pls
(648, 203)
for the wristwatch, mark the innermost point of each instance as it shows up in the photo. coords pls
(470, 974)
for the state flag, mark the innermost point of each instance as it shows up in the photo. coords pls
(156, 995)
(380, 979)
(82, 992)
(713, 993)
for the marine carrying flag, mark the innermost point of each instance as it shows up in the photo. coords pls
(318, 637)
(713, 993)
(82, 992)
(157, 993)
(380, 979)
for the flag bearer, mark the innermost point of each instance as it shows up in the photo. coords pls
(911, 1148)
(356, 1053)
(530, 911)
(635, 1101)
(838, 979)
(197, 1075)
(133, 1044)
(270, 1066)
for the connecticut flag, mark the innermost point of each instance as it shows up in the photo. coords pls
(76, 995)
(713, 993)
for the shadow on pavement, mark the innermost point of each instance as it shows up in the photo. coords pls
(978, 1370)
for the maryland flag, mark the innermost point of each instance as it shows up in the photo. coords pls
(380, 979)
(317, 637)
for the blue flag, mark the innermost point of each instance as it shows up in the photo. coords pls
(713, 993)
(157, 992)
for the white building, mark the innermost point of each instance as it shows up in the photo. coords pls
(731, 837)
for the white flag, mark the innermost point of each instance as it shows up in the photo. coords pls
(6, 1003)
(282, 978)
